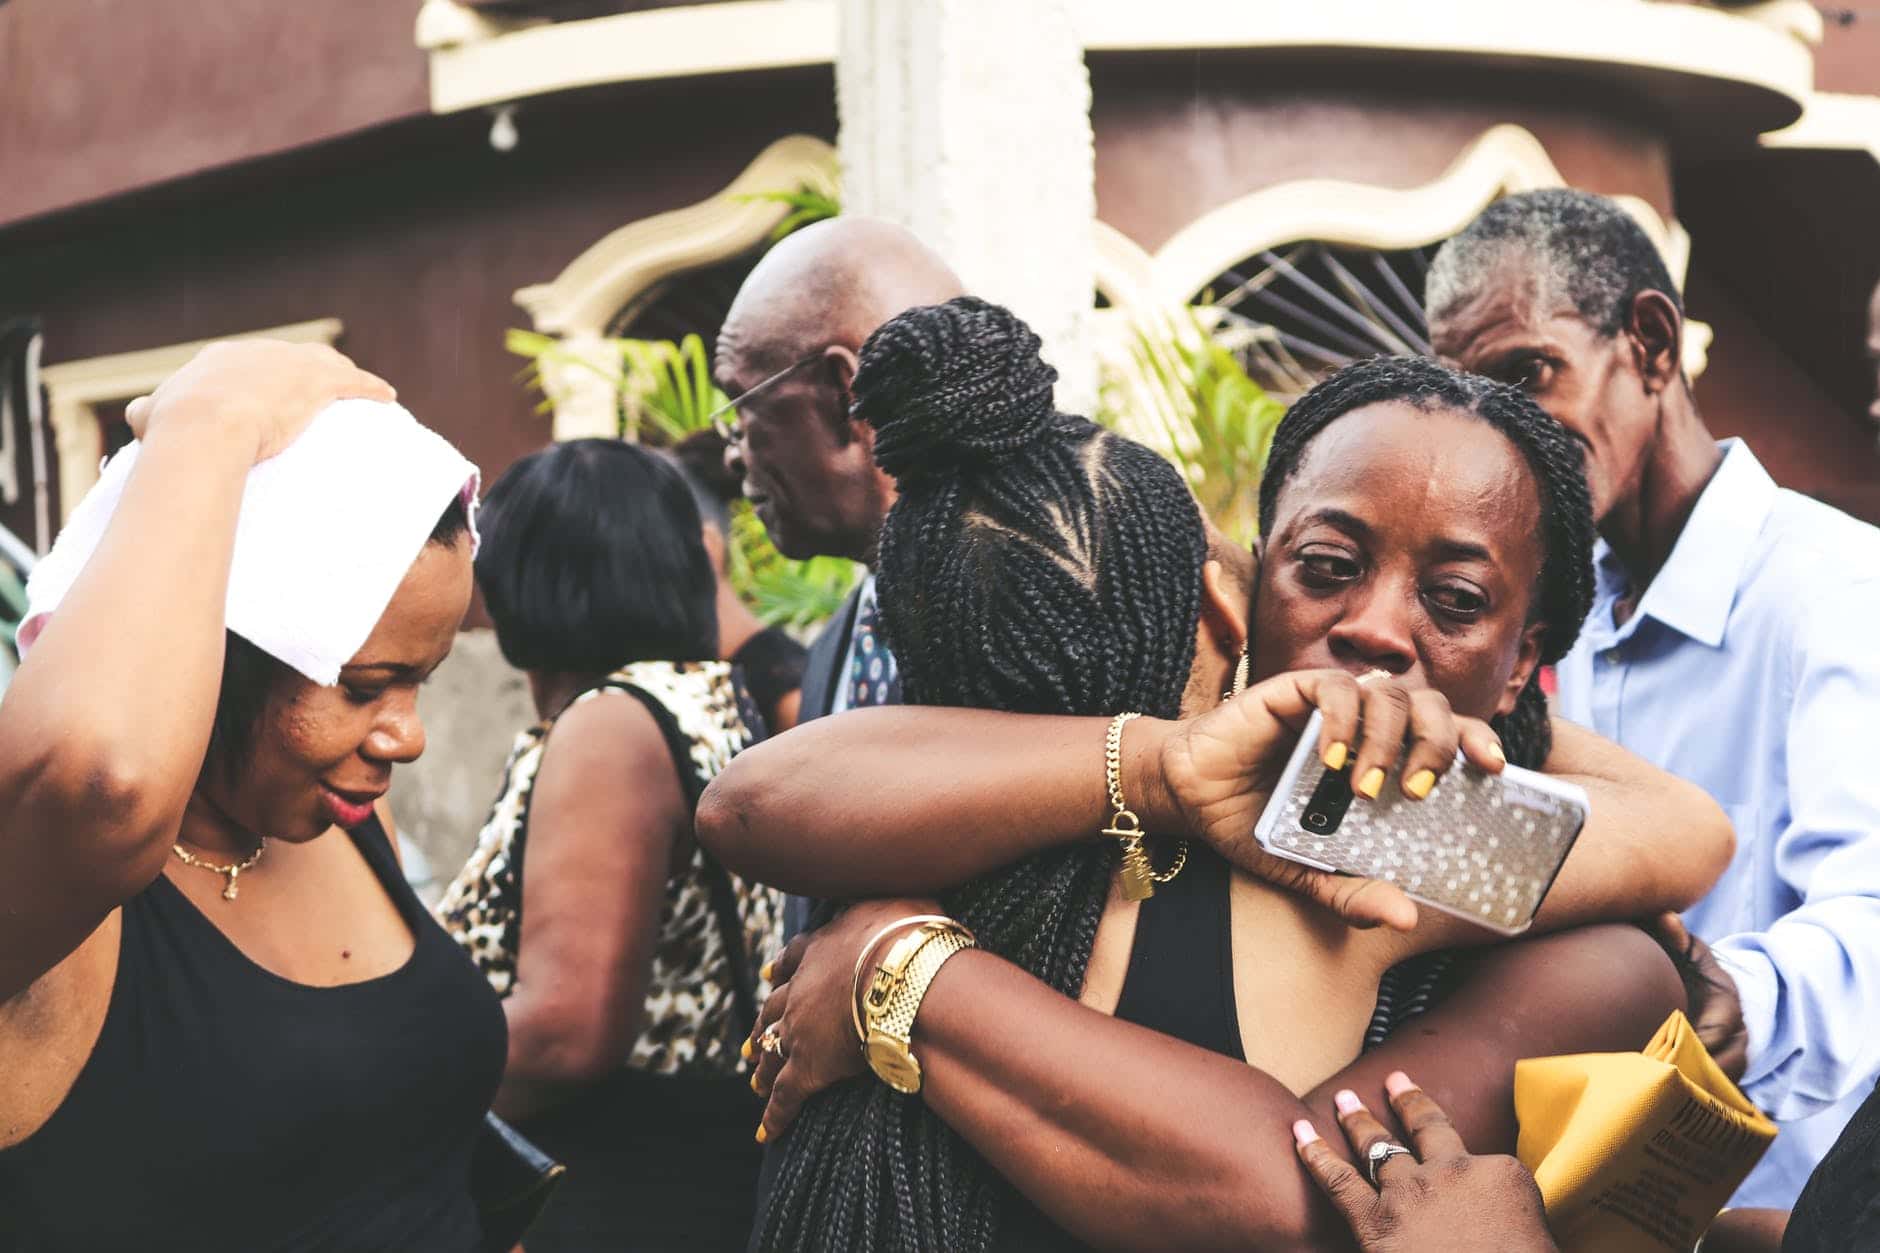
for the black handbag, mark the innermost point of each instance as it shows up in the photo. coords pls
(510, 1181)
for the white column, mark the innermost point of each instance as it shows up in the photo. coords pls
(968, 122)
(582, 382)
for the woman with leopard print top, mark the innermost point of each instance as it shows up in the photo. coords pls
(625, 956)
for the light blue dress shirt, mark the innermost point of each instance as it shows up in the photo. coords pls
(1752, 668)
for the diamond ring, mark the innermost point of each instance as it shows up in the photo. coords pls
(1378, 1154)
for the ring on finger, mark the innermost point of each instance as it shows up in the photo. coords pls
(771, 1041)
(1378, 1154)
(1370, 674)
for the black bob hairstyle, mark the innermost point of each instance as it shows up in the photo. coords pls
(593, 557)
(251, 677)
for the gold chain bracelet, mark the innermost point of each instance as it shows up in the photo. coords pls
(1138, 872)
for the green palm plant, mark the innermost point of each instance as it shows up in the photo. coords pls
(666, 395)
(807, 204)
(1178, 386)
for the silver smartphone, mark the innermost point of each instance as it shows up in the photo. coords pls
(1484, 847)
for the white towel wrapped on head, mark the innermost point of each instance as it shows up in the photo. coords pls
(328, 530)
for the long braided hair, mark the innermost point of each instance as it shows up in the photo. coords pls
(1036, 563)
(1565, 592)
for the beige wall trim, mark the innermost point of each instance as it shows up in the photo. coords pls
(579, 303)
(725, 38)
(597, 284)
(75, 389)
(1762, 63)
(1833, 121)
(1502, 160)
(1751, 59)
(446, 24)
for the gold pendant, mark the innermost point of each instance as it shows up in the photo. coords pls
(1138, 875)
(228, 893)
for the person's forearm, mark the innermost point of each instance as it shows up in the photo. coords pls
(1131, 1139)
(1799, 982)
(1127, 1138)
(891, 802)
(1653, 843)
(1746, 1231)
(95, 701)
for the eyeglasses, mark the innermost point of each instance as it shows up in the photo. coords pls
(732, 431)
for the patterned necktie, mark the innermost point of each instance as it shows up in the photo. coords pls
(873, 677)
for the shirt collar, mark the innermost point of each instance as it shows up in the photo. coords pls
(1694, 592)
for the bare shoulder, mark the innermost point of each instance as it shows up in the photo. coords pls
(609, 724)
(606, 762)
(48, 1031)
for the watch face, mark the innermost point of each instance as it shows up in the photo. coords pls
(890, 1060)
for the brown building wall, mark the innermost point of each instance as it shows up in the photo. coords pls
(1178, 136)
(1755, 389)
(151, 90)
(1848, 60)
(416, 241)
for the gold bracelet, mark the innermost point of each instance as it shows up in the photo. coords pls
(1138, 872)
(895, 995)
(861, 963)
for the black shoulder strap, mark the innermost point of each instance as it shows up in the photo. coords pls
(731, 934)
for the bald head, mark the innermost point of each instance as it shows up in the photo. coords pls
(797, 326)
(830, 283)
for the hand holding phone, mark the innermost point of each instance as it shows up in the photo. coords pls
(1484, 847)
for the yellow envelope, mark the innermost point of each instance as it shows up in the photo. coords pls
(1636, 1152)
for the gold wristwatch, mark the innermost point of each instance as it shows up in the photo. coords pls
(894, 996)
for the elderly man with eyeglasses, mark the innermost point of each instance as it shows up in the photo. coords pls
(787, 355)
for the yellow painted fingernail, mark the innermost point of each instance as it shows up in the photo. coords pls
(761, 1137)
(1335, 754)
(1420, 783)
(1372, 783)
(754, 1086)
(1496, 752)
(764, 972)
(745, 1049)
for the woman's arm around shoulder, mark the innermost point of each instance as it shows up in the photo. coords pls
(1132, 1139)
(1653, 843)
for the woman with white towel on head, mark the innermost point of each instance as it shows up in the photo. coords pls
(225, 1020)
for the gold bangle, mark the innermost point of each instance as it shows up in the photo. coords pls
(895, 996)
(1138, 873)
(861, 963)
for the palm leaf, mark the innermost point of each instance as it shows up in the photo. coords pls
(1179, 388)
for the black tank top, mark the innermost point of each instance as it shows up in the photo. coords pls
(227, 1108)
(1181, 967)
(1180, 982)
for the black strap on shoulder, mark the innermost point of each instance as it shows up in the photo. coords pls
(731, 932)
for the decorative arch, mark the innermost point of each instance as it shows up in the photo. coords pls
(596, 285)
(1501, 161)
(581, 303)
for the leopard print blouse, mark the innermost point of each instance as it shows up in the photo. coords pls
(690, 1022)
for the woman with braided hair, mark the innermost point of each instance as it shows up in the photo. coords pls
(1036, 564)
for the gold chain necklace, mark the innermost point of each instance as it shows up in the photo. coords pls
(231, 872)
